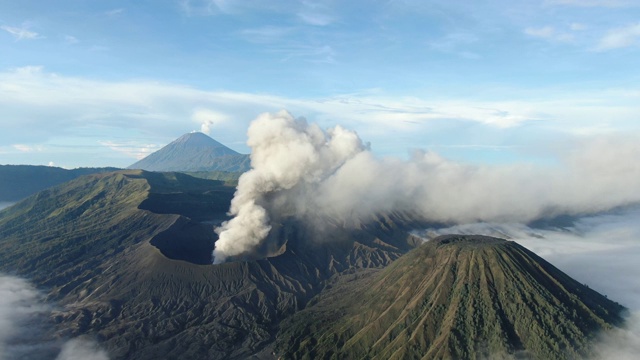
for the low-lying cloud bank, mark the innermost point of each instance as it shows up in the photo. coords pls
(80, 349)
(301, 170)
(602, 251)
(23, 327)
(20, 303)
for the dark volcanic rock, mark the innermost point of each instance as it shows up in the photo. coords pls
(455, 297)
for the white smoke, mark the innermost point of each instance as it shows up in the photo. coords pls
(207, 119)
(299, 170)
(289, 157)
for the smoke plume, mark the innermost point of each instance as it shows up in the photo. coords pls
(302, 171)
(289, 158)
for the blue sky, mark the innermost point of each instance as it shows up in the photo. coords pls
(88, 83)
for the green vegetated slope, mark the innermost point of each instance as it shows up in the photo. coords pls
(126, 255)
(456, 297)
(19, 181)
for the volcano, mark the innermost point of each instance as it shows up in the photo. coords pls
(126, 257)
(456, 297)
(194, 152)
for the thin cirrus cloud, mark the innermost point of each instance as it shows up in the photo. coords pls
(55, 106)
(131, 149)
(35, 88)
(593, 3)
(549, 33)
(622, 37)
(315, 18)
(266, 34)
(21, 33)
(71, 40)
(114, 12)
(209, 7)
(616, 38)
(28, 148)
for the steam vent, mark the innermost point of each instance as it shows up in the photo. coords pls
(455, 297)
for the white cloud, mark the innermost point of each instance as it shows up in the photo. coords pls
(315, 13)
(51, 106)
(81, 349)
(114, 12)
(28, 148)
(456, 43)
(578, 26)
(207, 7)
(99, 48)
(319, 54)
(593, 3)
(549, 33)
(315, 19)
(267, 34)
(22, 332)
(622, 37)
(71, 39)
(21, 33)
(543, 32)
(19, 301)
(131, 149)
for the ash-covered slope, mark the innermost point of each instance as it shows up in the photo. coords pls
(126, 256)
(194, 152)
(456, 297)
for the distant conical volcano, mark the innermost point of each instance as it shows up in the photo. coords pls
(456, 297)
(194, 152)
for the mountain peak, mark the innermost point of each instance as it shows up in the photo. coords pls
(200, 139)
(194, 151)
(456, 296)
